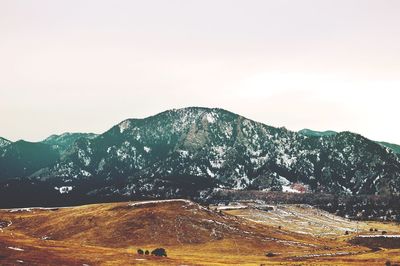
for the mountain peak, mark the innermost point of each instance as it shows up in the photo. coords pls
(312, 133)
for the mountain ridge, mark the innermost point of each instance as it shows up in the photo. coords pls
(313, 133)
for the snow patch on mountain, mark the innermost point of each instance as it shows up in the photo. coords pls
(183, 153)
(85, 158)
(211, 117)
(64, 189)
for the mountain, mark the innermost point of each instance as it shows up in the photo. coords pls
(230, 150)
(192, 150)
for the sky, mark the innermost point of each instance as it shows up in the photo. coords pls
(84, 66)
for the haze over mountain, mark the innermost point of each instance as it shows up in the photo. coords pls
(186, 151)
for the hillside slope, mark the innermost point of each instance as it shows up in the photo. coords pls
(110, 234)
(165, 222)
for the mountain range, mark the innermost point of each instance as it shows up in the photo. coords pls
(193, 150)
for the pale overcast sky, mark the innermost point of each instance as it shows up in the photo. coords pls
(86, 65)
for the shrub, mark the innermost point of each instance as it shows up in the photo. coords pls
(388, 263)
(160, 252)
(270, 254)
(384, 232)
(146, 252)
(371, 229)
(280, 227)
(140, 251)
(346, 233)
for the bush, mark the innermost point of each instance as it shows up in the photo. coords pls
(346, 233)
(146, 252)
(160, 252)
(384, 232)
(270, 254)
(388, 263)
(140, 251)
(371, 229)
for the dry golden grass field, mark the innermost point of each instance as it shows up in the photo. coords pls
(110, 234)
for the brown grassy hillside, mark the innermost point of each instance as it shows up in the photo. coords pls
(110, 234)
